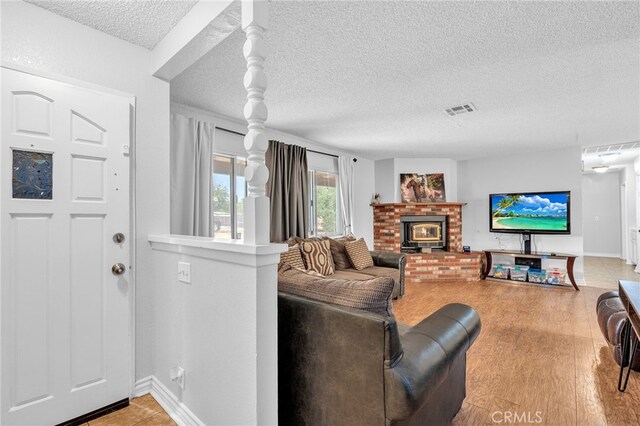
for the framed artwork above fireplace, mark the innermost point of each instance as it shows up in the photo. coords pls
(426, 188)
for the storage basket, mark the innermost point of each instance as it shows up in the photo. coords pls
(518, 272)
(500, 271)
(537, 275)
(555, 276)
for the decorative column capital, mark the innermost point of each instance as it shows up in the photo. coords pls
(255, 12)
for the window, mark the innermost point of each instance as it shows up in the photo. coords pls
(324, 217)
(228, 189)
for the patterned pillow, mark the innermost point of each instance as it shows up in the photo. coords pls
(359, 254)
(339, 254)
(317, 256)
(373, 295)
(292, 257)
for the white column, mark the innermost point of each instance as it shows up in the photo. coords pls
(255, 17)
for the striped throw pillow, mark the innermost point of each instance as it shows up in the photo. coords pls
(292, 257)
(359, 254)
(317, 256)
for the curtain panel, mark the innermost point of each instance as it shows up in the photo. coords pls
(345, 179)
(190, 195)
(288, 190)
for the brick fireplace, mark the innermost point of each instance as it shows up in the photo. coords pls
(452, 264)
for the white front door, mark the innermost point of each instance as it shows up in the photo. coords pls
(64, 188)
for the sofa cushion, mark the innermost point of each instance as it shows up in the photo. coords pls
(373, 295)
(351, 274)
(292, 257)
(339, 253)
(317, 256)
(380, 271)
(359, 254)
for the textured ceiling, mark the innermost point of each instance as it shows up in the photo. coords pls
(375, 77)
(140, 22)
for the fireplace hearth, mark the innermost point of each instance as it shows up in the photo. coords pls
(417, 232)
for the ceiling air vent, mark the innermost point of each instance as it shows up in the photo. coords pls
(460, 109)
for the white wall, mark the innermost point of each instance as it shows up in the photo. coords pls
(628, 179)
(557, 170)
(387, 175)
(601, 214)
(386, 181)
(212, 327)
(50, 45)
(364, 168)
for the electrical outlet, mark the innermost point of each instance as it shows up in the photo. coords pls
(176, 374)
(184, 272)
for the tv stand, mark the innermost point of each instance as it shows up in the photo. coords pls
(570, 259)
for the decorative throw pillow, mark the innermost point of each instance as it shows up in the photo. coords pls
(292, 257)
(359, 254)
(373, 295)
(339, 253)
(317, 256)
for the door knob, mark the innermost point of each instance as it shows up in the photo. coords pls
(118, 269)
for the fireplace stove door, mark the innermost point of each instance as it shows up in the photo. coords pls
(426, 232)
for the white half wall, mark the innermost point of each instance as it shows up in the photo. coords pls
(55, 47)
(221, 328)
(557, 170)
(601, 214)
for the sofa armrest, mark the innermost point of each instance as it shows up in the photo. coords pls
(391, 260)
(388, 259)
(430, 350)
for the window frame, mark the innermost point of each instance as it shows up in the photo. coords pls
(233, 193)
(313, 213)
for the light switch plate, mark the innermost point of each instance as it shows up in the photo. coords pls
(184, 272)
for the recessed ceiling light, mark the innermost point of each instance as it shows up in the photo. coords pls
(600, 169)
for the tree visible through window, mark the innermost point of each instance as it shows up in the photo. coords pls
(228, 189)
(324, 217)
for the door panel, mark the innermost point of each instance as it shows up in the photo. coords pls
(65, 317)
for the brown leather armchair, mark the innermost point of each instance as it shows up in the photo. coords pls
(612, 318)
(344, 366)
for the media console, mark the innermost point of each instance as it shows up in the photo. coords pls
(534, 257)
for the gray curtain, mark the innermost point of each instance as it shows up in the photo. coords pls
(287, 189)
(190, 195)
(346, 179)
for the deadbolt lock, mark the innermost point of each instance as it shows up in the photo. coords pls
(118, 238)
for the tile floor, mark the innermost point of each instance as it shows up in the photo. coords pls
(604, 272)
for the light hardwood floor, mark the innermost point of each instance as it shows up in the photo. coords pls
(540, 351)
(143, 411)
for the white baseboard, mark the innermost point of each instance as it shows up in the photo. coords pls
(175, 408)
(615, 255)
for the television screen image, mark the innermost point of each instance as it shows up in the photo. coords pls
(531, 212)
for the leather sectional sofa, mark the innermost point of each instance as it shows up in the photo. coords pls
(345, 366)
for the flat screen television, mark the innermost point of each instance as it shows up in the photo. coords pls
(531, 212)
